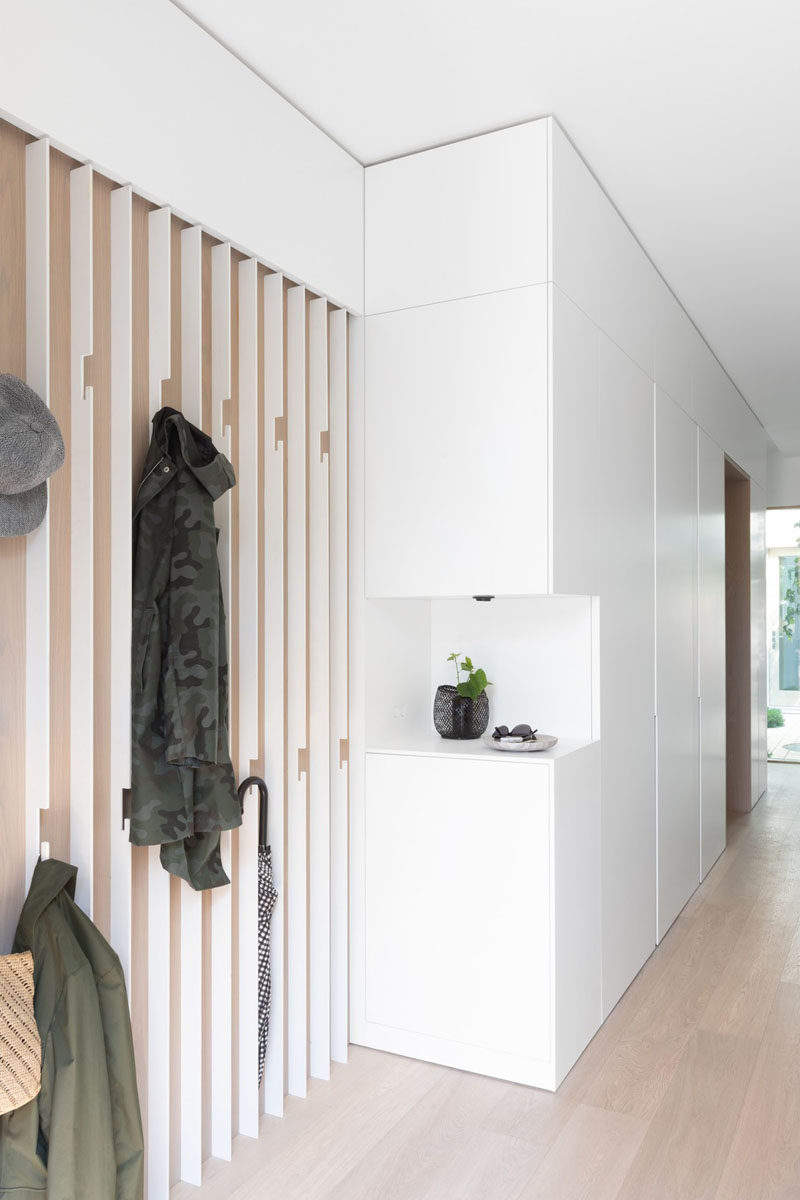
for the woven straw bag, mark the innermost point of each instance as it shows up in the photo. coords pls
(20, 1046)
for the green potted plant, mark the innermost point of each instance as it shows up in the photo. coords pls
(774, 718)
(462, 710)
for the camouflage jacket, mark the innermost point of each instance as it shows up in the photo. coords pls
(183, 790)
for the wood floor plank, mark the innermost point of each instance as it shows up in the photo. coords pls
(333, 1150)
(686, 1145)
(368, 1073)
(764, 1159)
(791, 967)
(425, 1145)
(743, 997)
(604, 1043)
(638, 1073)
(494, 1166)
(590, 1158)
(530, 1114)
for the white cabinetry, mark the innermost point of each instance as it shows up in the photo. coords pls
(545, 425)
(624, 508)
(460, 220)
(711, 646)
(678, 799)
(573, 496)
(479, 939)
(456, 447)
(481, 448)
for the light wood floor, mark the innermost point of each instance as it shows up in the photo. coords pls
(690, 1090)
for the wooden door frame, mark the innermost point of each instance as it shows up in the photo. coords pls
(738, 666)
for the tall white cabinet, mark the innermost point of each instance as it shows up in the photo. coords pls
(625, 506)
(542, 425)
(677, 728)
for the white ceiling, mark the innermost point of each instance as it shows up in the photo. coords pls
(688, 111)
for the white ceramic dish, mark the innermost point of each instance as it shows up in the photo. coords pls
(544, 741)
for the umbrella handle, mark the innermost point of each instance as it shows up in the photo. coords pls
(244, 787)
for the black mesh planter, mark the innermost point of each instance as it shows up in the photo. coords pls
(457, 716)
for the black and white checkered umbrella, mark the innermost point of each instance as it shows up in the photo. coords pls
(267, 895)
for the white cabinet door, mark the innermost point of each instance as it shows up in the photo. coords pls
(459, 220)
(627, 668)
(678, 798)
(456, 448)
(711, 647)
(575, 460)
(455, 911)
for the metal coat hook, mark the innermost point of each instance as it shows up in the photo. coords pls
(263, 804)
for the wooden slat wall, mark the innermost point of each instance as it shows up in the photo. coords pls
(111, 308)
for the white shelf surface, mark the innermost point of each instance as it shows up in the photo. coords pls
(433, 746)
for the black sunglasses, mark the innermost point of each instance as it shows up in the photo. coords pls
(524, 732)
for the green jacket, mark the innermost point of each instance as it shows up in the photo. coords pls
(183, 790)
(81, 1137)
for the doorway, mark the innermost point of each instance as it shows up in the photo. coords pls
(738, 666)
(783, 634)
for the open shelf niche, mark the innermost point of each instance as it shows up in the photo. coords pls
(539, 651)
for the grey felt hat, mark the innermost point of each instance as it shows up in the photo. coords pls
(31, 449)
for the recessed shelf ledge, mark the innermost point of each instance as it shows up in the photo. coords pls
(433, 746)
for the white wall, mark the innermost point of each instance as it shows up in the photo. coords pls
(603, 269)
(152, 99)
(783, 481)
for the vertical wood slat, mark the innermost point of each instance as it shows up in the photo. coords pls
(207, 244)
(81, 807)
(356, 653)
(319, 861)
(98, 375)
(275, 671)
(191, 941)
(248, 513)
(221, 1022)
(37, 559)
(159, 302)
(12, 550)
(54, 821)
(297, 711)
(140, 907)
(248, 694)
(339, 691)
(158, 881)
(233, 673)
(171, 396)
(121, 468)
(192, 324)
